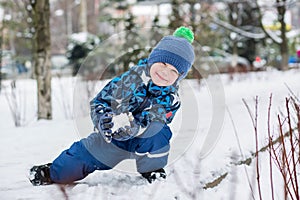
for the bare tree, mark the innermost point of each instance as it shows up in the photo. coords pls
(83, 16)
(260, 31)
(281, 40)
(41, 56)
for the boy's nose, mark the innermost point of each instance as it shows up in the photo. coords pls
(165, 72)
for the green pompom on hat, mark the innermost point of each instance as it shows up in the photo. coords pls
(185, 33)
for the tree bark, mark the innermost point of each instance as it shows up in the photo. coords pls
(42, 54)
(284, 44)
(83, 16)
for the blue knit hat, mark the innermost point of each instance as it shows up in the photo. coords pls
(175, 50)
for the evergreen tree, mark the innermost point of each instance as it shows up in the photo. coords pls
(176, 18)
(131, 47)
(243, 15)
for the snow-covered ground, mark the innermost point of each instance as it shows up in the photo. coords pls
(205, 144)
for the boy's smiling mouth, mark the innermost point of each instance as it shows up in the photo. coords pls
(161, 77)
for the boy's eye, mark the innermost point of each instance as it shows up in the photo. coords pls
(174, 71)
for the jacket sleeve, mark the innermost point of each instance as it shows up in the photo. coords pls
(116, 95)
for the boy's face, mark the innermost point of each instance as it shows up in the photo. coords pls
(163, 74)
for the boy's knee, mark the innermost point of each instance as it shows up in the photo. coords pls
(155, 139)
(156, 128)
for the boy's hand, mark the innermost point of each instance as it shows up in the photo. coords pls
(155, 175)
(105, 124)
(127, 132)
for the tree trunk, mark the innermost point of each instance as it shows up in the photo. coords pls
(42, 54)
(284, 44)
(83, 16)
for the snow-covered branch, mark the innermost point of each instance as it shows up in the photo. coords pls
(273, 36)
(293, 33)
(238, 30)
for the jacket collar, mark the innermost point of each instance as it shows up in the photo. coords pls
(160, 90)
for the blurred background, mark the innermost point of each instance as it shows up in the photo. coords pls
(254, 44)
(237, 36)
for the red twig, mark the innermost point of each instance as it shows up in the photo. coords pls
(62, 188)
(292, 93)
(284, 163)
(294, 178)
(297, 108)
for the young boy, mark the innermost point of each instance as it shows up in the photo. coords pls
(148, 95)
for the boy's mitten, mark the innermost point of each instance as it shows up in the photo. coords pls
(127, 132)
(105, 124)
(155, 175)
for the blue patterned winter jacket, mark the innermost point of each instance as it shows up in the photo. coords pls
(134, 92)
(152, 107)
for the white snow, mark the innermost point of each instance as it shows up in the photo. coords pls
(200, 152)
(119, 121)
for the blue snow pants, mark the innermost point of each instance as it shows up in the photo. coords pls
(150, 150)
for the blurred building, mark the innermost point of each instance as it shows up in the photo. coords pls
(146, 11)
